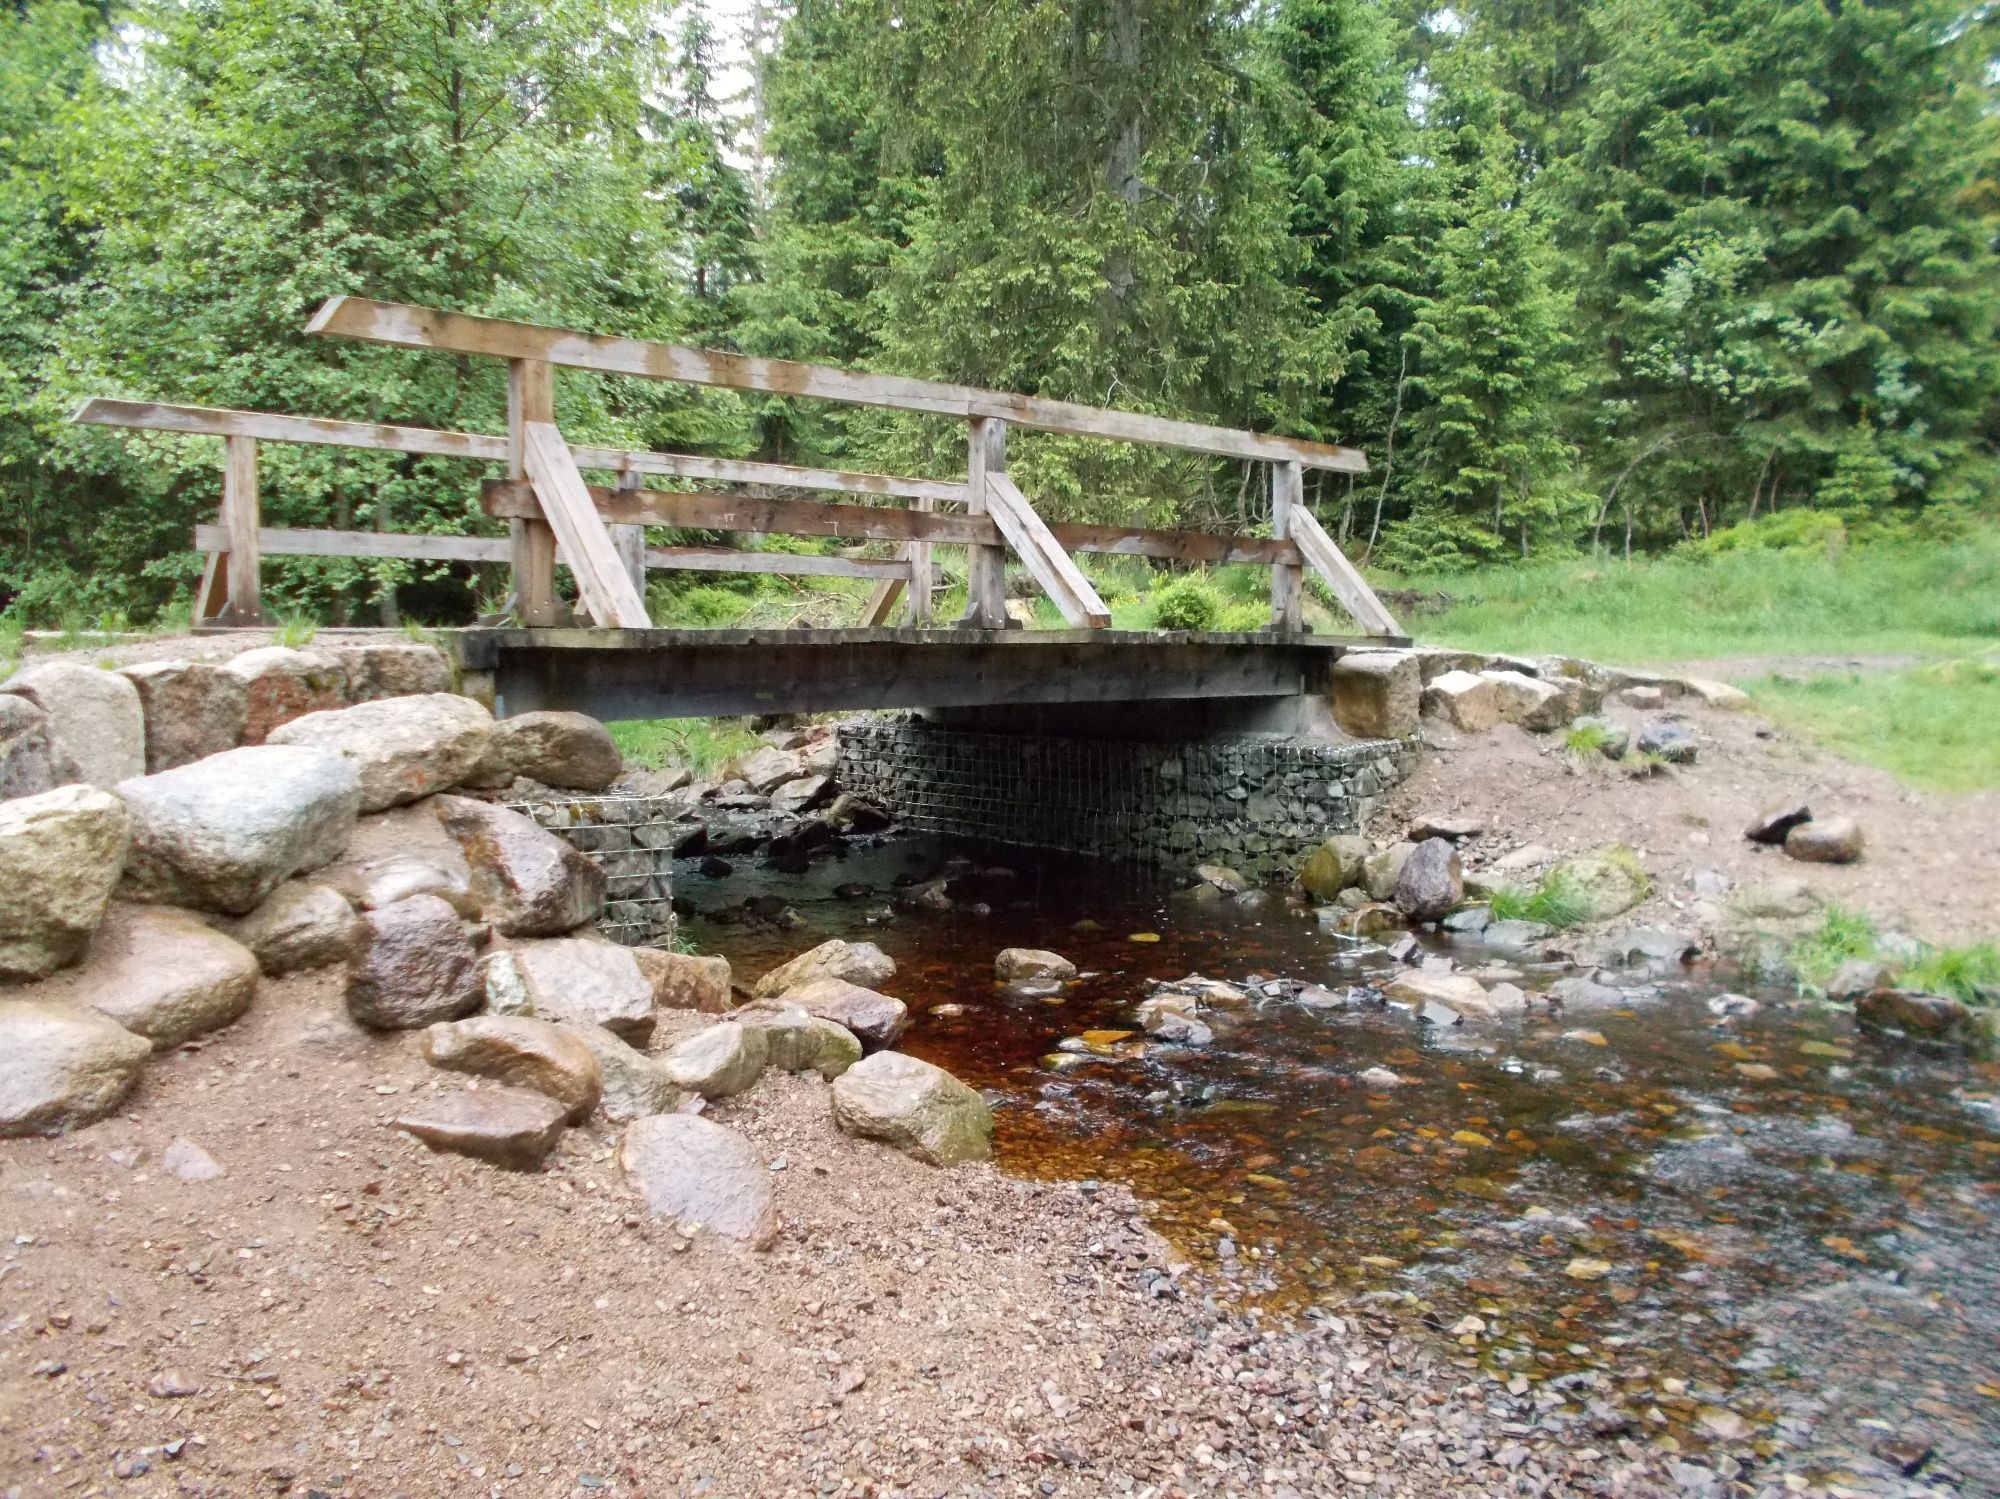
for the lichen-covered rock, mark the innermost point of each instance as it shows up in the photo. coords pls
(1458, 992)
(1337, 864)
(300, 926)
(1431, 881)
(1716, 694)
(162, 974)
(404, 748)
(573, 980)
(61, 853)
(391, 668)
(1381, 869)
(685, 981)
(27, 755)
(1377, 694)
(799, 1041)
(1463, 699)
(1602, 884)
(523, 1053)
(635, 1085)
(510, 1127)
(795, 798)
(97, 729)
(1829, 840)
(875, 1019)
(223, 833)
(860, 963)
(1015, 964)
(413, 965)
(193, 709)
(570, 750)
(373, 883)
(1665, 740)
(722, 1059)
(768, 769)
(281, 684)
(528, 882)
(920, 1109)
(701, 1175)
(61, 1066)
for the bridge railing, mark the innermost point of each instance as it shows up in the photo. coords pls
(599, 530)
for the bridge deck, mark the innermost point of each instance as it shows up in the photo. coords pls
(623, 674)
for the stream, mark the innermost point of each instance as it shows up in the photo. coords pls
(1706, 1220)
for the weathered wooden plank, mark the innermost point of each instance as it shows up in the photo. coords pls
(1061, 579)
(427, 328)
(776, 475)
(279, 541)
(986, 565)
(918, 555)
(211, 594)
(630, 541)
(271, 426)
(784, 564)
(760, 515)
(1212, 549)
(531, 397)
(240, 522)
(1341, 576)
(881, 603)
(1287, 580)
(601, 579)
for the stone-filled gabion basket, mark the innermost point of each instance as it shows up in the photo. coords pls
(631, 838)
(1260, 805)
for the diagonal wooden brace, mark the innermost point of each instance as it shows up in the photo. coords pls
(1048, 564)
(601, 577)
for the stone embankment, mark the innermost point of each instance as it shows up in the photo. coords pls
(176, 833)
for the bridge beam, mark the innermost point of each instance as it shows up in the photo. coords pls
(626, 674)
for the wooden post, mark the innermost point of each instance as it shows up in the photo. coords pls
(1287, 493)
(531, 397)
(986, 577)
(239, 522)
(631, 540)
(920, 574)
(211, 594)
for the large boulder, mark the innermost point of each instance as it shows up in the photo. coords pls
(684, 981)
(405, 748)
(1602, 884)
(527, 880)
(574, 980)
(1381, 869)
(1776, 820)
(1458, 992)
(163, 974)
(796, 798)
(635, 1085)
(768, 769)
(1463, 699)
(797, 1041)
(1032, 965)
(281, 684)
(391, 668)
(1716, 694)
(60, 857)
(223, 833)
(27, 755)
(413, 965)
(1530, 702)
(701, 1175)
(1924, 1017)
(719, 1060)
(1825, 840)
(301, 926)
(857, 962)
(921, 1110)
(875, 1019)
(1666, 740)
(97, 727)
(510, 1127)
(372, 883)
(1376, 694)
(1431, 881)
(570, 750)
(61, 1067)
(1336, 864)
(193, 710)
(523, 1053)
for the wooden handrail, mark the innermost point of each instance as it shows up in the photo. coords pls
(409, 327)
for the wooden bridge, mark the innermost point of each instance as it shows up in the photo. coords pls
(618, 666)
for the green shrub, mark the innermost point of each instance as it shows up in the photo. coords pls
(706, 607)
(1782, 531)
(1186, 604)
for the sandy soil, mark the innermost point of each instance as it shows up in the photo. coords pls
(1931, 866)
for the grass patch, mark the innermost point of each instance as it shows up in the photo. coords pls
(1586, 740)
(1550, 902)
(1893, 598)
(1841, 934)
(1970, 973)
(295, 630)
(1937, 727)
(703, 745)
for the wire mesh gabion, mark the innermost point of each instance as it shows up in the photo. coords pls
(1259, 804)
(631, 838)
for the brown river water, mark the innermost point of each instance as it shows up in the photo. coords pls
(1795, 1222)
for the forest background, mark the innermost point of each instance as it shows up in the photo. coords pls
(1582, 277)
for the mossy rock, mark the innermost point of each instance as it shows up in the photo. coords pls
(1603, 884)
